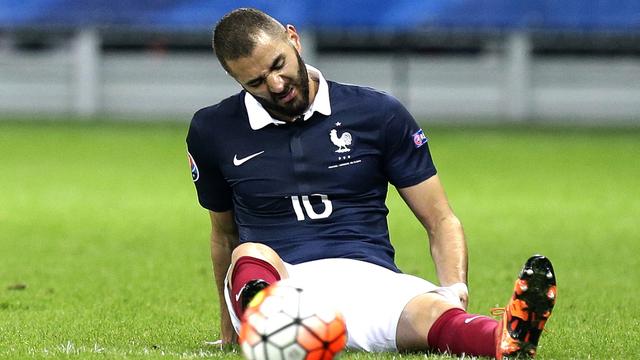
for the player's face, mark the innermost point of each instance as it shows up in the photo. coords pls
(275, 75)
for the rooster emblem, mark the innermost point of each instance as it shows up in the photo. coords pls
(341, 142)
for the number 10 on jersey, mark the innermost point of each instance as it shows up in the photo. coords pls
(303, 208)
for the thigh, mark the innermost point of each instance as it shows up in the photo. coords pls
(370, 297)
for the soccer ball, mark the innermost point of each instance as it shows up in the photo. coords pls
(283, 322)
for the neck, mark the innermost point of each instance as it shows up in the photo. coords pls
(314, 84)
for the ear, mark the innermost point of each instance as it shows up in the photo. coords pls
(294, 38)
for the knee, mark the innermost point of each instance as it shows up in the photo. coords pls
(255, 250)
(262, 252)
(427, 308)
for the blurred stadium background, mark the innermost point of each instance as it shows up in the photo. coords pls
(473, 60)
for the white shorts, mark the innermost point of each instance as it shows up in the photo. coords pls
(370, 297)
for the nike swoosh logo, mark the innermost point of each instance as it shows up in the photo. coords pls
(238, 162)
(466, 321)
(238, 294)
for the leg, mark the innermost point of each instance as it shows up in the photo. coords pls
(257, 251)
(384, 310)
(253, 267)
(370, 297)
(450, 329)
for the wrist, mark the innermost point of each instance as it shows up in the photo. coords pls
(459, 288)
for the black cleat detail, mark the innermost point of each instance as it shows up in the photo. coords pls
(250, 290)
(530, 307)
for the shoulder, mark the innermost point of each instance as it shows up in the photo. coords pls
(356, 95)
(358, 91)
(230, 107)
(218, 116)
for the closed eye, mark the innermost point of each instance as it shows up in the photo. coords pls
(277, 64)
(255, 82)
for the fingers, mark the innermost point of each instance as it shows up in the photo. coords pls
(223, 345)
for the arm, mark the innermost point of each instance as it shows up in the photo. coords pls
(448, 247)
(224, 238)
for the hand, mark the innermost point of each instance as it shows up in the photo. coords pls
(229, 336)
(219, 344)
(462, 291)
(227, 343)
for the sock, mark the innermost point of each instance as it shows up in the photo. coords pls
(458, 332)
(248, 268)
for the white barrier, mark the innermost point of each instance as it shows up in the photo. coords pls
(508, 84)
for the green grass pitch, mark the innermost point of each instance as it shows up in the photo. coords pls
(104, 250)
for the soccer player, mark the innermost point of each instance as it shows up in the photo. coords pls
(294, 171)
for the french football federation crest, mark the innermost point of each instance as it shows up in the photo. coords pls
(341, 142)
(195, 174)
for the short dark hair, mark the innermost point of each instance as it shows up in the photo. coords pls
(235, 35)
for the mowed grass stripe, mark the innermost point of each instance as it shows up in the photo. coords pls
(101, 223)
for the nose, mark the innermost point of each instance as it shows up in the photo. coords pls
(275, 82)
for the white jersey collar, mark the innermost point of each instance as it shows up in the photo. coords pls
(259, 117)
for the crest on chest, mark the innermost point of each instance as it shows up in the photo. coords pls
(343, 140)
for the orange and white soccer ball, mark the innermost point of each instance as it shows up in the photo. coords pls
(283, 322)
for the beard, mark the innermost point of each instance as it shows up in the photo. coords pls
(298, 105)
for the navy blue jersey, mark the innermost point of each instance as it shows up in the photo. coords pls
(311, 189)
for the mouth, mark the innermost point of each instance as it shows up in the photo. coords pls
(288, 96)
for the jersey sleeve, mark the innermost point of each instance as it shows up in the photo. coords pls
(214, 193)
(407, 157)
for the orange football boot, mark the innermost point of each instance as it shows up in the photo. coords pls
(528, 310)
